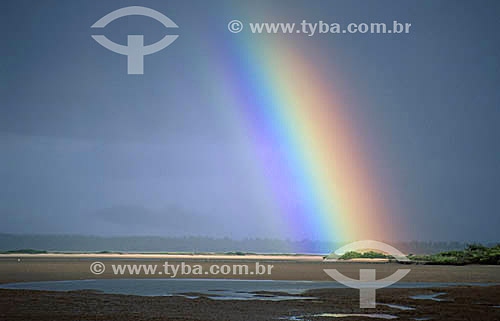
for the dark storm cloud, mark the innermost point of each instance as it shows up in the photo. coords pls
(87, 149)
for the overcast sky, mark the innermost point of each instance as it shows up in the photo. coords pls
(86, 148)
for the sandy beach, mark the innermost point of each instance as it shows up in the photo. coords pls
(461, 302)
(47, 267)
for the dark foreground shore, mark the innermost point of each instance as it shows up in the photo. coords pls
(461, 303)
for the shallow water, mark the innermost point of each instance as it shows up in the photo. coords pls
(264, 298)
(368, 315)
(343, 315)
(433, 297)
(216, 288)
(396, 306)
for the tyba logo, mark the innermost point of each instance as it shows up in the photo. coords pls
(367, 284)
(135, 49)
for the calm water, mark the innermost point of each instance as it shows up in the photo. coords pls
(221, 289)
(433, 297)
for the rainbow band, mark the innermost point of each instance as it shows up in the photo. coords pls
(308, 147)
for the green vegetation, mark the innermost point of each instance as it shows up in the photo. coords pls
(239, 253)
(24, 251)
(358, 255)
(365, 255)
(473, 254)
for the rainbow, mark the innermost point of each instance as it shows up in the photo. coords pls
(307, 144)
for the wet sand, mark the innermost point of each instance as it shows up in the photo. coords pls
(27, 268)
(463, 302)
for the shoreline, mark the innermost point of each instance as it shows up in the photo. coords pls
(295, 257)
(41, 305)
(41, 267)
(456, 305)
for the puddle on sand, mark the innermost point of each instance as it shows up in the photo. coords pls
(433, 297)
(368, 315)
(344, 315)
(188, 296)
(242, 296)
(263, 298)
(396, 306)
